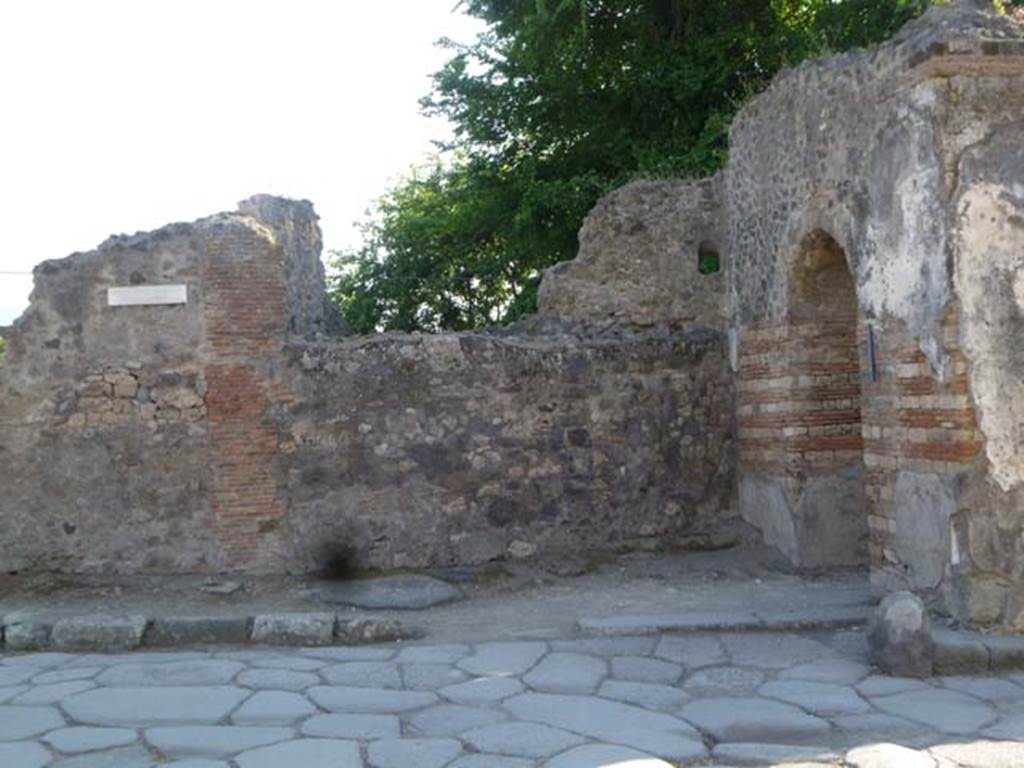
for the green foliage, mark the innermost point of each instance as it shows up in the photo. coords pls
(556, 103)
(3, 346)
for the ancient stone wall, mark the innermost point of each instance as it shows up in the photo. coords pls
(232, 431)
(905, 156)
(424, 450)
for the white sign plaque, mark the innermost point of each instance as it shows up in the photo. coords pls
(140, 295)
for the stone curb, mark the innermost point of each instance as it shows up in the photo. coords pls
(26, 632)
(843, 617)
(958, 653)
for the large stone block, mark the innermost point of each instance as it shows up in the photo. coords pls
(99, 633)
(899, 636)
(294, 628)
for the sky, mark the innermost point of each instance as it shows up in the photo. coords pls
(123, 115)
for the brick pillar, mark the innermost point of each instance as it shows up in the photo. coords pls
(244, 307)
(913, 421)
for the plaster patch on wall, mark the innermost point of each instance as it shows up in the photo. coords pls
(142, 295)
(907, 230)
(990, 282)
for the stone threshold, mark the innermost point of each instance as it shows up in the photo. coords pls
(98, 632)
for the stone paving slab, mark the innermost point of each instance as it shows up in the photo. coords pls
(213, 741)
(404, 592)
(727, 699)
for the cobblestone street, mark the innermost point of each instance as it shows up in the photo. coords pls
(747, 699)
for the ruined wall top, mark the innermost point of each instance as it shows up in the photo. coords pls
(639, 260)
(70, 321)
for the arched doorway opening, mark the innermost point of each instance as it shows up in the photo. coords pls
(824, 434)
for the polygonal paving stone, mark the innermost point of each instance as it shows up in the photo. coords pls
(87, 739)
(353, 726)
(125, 757)
(642, 670)
(18, 723)
(946, 711)
(53, 694)
(452, 719)
(429, 677)
(37, 661)
(650, 624)
(64, 675)
(413, 753)
(604, 756)
(23, 754)
(15, 675)
(363, 674)
(773, 651)
(692, 652)
(154, 706)
(982, 754)
(349, 653)
(198, 672)
(851, 644)
(213, 740)
(773, 754)
(278, 679)
(408, 592)
(491, 761)
(723, 680)
(287, 663)
(369, 700)
(607, 646)
(135, 657)
(482, 690)
(839, 671)
(304, 753)
(883, 685)
(1011, 728)
(196, 762)
(887, 756)
(855, 730)
(992, 689)
(756, 720)
(521, 739)
(6, 694)
(824, 699)
(432, 654)
(502, 659)
(611, 721)
(566, 673)
(647, 695)
(272, 708)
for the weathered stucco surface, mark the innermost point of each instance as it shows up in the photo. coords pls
(909, 156)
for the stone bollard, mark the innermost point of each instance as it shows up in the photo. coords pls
(899, 636)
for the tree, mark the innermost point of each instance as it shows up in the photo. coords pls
(556, 103)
